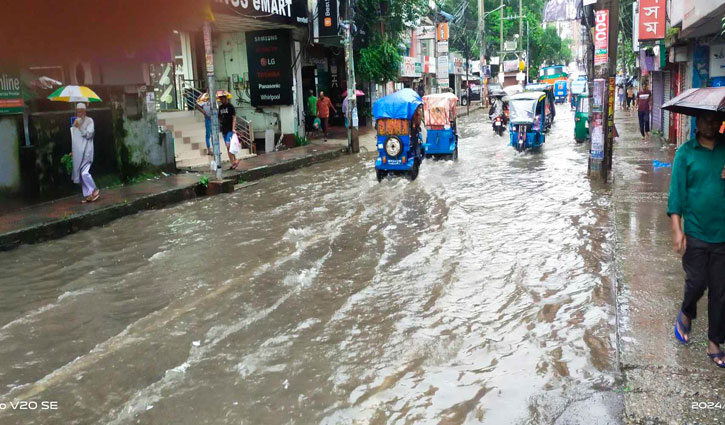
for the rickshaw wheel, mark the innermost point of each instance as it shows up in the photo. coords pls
(454, 155)
(379, 175)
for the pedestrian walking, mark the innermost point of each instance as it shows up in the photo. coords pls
(82, 133)
(205, 108)
(620, 94)
(630, 96)
(227, 124)
(696, 195)
(323, 111)
(644, 105)
(311, 110)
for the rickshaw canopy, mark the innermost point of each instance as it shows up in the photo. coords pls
(539, 87)
(440, 109)
(399, 105)
(522, 106)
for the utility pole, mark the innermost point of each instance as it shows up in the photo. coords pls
(527, 52)
(212, 96)
(353, 141)
(521, 28)
(500, 37)
(482, 30)
(606, 31)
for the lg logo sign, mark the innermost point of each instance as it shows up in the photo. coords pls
(268, 61)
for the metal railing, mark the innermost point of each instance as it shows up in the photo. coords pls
(245, 133)
(190, 90)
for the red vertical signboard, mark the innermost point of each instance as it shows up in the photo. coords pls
(652, 19)
(601, 36)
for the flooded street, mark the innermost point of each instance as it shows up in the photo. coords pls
(482, 292)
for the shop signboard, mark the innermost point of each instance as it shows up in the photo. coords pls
(601, 36)
(456, 66)
(652, 19)
(429, 65)
(511, 65)
(409, 67)
(442, 33)
(328, 18)
(11, 97)
(292, 12)
(442, 47)
(442, 68)
(425, 32)
(717, 61)
(270, 67)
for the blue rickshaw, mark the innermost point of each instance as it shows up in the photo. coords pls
(398, 119)
(560, 92)
(527, 116)
(440, 123)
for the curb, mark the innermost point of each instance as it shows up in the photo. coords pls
(59, 228)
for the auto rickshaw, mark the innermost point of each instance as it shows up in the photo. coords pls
(578, 86)
(440, 121)
(398, 119)
(550, 108)
(560, 91)
(527, 120)
(581, 118)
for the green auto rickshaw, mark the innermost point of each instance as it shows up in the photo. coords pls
(581, 118)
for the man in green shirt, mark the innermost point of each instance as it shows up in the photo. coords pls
(697, 195)
(311, 110)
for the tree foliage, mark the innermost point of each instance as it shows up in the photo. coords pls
(380, 26)
(379, 62)
(545, 46)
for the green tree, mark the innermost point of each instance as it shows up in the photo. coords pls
(545, 45)
(380, 27)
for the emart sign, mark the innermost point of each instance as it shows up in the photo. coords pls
(11, 99)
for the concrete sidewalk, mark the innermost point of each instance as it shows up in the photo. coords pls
(60, 217)
(662, 379)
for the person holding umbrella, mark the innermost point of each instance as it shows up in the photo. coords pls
(697, 197)
(82, 134)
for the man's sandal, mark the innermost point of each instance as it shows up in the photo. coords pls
(717, 356)
(686, 329)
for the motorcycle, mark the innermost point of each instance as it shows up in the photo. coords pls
(498, 125)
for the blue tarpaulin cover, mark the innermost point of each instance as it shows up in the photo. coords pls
(399, 105)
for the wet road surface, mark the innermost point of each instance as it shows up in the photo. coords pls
(480, 293)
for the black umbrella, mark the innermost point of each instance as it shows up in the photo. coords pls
(696, 101)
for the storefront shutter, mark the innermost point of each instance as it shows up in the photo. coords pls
(667, 91)
(657, 97)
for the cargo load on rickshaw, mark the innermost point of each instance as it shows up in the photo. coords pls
(440, 123)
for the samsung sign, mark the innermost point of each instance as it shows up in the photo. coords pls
(282, 11)
(270, 67)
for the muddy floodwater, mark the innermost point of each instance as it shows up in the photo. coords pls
(482, 292)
